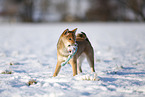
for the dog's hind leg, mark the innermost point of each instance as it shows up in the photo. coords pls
(79, 62)
(90, 58)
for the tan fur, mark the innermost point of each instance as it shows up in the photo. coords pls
(84, 50)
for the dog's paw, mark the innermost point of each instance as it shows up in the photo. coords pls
(88, 77)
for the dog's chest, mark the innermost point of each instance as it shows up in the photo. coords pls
(62, 58)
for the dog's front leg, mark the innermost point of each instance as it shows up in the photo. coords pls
(57, 69)
(73, 63)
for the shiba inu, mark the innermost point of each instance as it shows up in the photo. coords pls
(84, 49)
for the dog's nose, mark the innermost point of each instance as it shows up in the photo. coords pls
(75, 44)
(69, 51)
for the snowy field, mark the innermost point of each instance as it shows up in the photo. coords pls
(28, 51)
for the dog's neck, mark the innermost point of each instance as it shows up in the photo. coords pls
(61, 49)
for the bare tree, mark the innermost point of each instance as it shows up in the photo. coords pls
(28, 11)
(137, 6)
(102, 10)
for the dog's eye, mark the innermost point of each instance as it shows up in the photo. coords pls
(68, 45)
(69, 38)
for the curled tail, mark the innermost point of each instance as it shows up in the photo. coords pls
(81, 36)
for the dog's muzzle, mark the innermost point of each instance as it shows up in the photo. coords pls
(72, 48)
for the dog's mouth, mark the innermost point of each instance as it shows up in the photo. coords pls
(72, 48)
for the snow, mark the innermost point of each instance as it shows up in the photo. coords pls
(29, 52)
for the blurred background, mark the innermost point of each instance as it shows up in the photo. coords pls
(38, 11)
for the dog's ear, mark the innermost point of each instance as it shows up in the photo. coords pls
(74, 30)
(65, 31)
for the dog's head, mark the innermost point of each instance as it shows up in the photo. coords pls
(69, 39)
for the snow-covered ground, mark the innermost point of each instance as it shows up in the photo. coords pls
(29, 52)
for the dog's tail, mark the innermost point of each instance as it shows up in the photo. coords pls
(81, 36)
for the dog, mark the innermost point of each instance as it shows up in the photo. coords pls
(84, 49)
